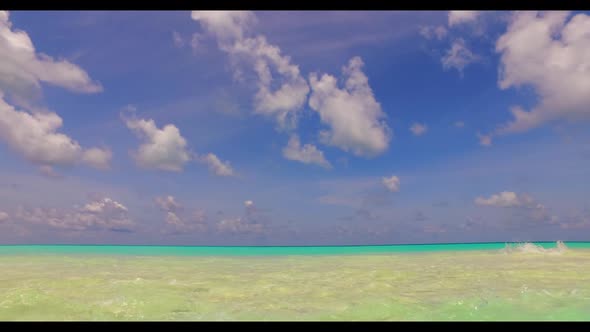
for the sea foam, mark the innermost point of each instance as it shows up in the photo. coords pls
(531, 248)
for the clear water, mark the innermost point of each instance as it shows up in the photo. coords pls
(418, 282)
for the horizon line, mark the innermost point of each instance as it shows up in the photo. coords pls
(294, 246)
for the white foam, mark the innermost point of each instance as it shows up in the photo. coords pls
(531, 248)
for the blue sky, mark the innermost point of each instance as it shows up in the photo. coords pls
(294, 128)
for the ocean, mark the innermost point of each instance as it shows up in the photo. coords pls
(450, 282)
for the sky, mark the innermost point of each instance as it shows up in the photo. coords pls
(294, 128)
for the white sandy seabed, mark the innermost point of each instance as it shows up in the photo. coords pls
(519, 282)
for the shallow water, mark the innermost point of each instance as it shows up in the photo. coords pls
(523, 283)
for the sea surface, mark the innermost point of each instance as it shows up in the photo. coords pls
(448, 282)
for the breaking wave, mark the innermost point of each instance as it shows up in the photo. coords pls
(531, 248)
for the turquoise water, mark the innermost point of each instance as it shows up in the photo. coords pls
(485, 281)
(261, 251)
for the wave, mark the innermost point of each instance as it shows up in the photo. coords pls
(531, 248)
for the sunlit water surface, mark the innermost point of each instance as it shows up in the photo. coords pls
(523, 282)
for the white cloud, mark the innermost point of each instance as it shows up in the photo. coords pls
(22, 69)
(430, 32)
(462, 16)
(484, 140)
(250, 208)
(506, 199)
(458, 56)
(105, 204)
(35, 136)
(103, 214)
(418, 129)
(249, 223)
(176, 218)
(459, 124)
(354, 116)
(239, 225)
(98, 158)
(217, 166)
(391, 183)
(285, 101)
(509, 199)
(307, 154)
(163, 149)
(225, 24)
(32, 132)
(3, 216)
(280, 96)
(168, 203)
(173, 219)
(551, 54)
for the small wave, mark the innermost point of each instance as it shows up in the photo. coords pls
(531, 248)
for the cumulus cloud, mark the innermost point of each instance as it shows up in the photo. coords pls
(217, 166)
(457, 17)
(251, 222)
(177, 218)
(22, 68)
(251, 210)
(36, 138)
(225, 25)
(458, 56)
(31, 131)
(549, 53)
(355, 118)
(102, 214)
(282, 91)
(307, 154)
(168, 203)
(239, 225)
(162, 149)
(98, 158)
(418, 129)
(105, 204)
(509, 199)
(391, 183)
(504, 199)
(173, 219)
